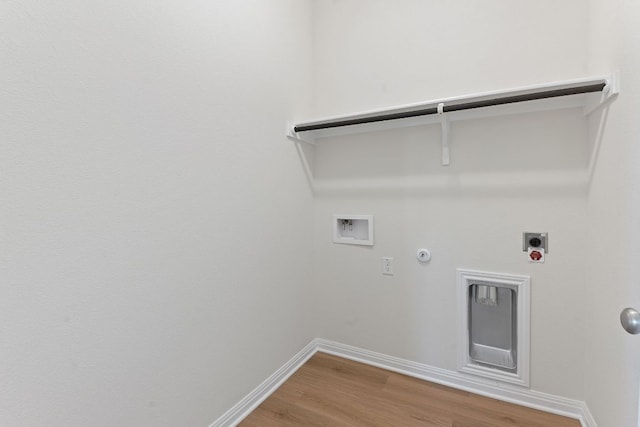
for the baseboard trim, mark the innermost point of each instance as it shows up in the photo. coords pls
(587, 419)
(509, 393)
(532, 399)
(251, 401)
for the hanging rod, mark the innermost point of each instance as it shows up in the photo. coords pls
(465, 107)
(460, 104)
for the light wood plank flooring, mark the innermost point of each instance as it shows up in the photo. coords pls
(332, 391)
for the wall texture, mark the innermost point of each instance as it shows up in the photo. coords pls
(153, 265)
(612, 373)
(507, 175)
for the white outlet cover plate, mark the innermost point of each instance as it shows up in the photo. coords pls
(387, 266)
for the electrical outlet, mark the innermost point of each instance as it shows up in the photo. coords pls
(536, 241)
(387, 266)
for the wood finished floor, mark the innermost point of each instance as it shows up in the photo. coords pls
(332, 391)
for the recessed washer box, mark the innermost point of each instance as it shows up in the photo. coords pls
(353, 229)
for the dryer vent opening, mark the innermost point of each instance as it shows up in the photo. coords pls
(494, 325)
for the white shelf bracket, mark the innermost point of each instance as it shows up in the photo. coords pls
(296, 136)
(609, 93)
(446, 127)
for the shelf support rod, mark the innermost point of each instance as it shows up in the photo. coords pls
(446, 127)
(610, 91)
(296, 136)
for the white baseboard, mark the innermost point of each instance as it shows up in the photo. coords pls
(251, 401)
(587, 419)
(508, 393)
(532, 399)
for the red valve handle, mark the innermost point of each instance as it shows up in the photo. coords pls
(535, 255)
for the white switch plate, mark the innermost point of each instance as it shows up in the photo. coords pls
(387, 265)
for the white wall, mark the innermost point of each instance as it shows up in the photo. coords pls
(155, 254)
(156, 259)
(612, 369)
(376, 53)
(508, 175)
